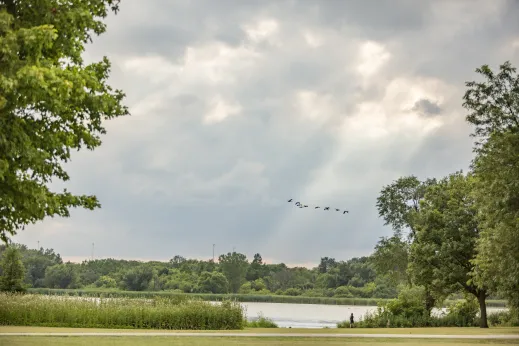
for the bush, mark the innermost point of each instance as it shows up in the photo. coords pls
(504, 318)
(163, 313)
(463, 313)
(261, 322)
(293, 292)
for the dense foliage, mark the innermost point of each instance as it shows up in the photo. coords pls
(50, 103)
(232, 274)
(463, 229)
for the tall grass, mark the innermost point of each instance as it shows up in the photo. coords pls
(223, 297)
(158, 313)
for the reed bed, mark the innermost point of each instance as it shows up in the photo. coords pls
(122, 313)
(234, 297)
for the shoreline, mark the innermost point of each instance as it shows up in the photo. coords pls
(242, 298)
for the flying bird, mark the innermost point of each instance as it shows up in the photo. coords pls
(301, 206)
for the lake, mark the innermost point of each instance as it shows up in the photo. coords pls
(313, 315)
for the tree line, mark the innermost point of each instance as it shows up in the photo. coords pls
(232, 273)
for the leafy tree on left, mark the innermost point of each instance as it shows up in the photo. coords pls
(12, 271)
(50, 103)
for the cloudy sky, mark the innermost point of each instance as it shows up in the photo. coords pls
(239, 105)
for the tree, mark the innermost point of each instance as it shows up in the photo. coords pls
(398, 202)
(137, 279)
(493, 107)
(234, 266)
(51, 103)
(447, 229)
(213, 283)
(391, 258)
(398, 205)
(255, 270)
(61, 276)
(326, 264)
(13, 271)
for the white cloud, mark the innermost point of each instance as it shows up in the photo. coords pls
(220, 110)
(372, 57)
(262, 30)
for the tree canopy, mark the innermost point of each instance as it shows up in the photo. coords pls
(50, 104)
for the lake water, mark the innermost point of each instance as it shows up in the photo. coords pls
(312, 315)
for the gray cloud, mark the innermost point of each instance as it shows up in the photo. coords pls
(426, 107)
(238, 105)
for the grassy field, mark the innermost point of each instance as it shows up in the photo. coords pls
(225, 341)
(237, 297)
(430, 331)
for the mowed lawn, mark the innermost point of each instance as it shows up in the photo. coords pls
(432, 331)
(224, 341)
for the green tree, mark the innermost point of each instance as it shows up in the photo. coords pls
(61, 276)
(447, 229)
(255, 270)
(493, 106)
(398, 204)
(400, 200)
(213, 283)
(234, 266)
(13, 271)
(137, 279)
(390, 258)
(50, 104)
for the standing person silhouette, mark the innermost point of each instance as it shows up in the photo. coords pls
(351, 320)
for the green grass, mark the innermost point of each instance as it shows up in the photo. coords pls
(225, 341)
(37, 310)
(221, 297)
(430, 331)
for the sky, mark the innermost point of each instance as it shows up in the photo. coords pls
(237, 106)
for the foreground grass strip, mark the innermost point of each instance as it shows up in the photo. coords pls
(169, 314)
(271, 335)
(224, 341)
(353, 331)
(250, 298)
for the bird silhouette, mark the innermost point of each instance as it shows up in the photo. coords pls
(317, 207)
(337, 209)
(306, 206)
(290, 200)
(344, 212)
(298, 204)
(327, 208)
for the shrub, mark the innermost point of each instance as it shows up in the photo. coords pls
(261, 322)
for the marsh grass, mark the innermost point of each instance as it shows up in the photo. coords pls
(157, 313)
(252, 298)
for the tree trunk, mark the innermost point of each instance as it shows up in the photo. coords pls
(429, 301)
(482, 295)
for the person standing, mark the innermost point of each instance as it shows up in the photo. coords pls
(351, 320)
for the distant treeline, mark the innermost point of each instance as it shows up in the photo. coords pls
(352, 282)
(232, 273)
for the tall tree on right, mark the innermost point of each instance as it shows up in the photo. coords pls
(493, 106)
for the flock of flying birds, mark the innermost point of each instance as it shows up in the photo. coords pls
(300, 205)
